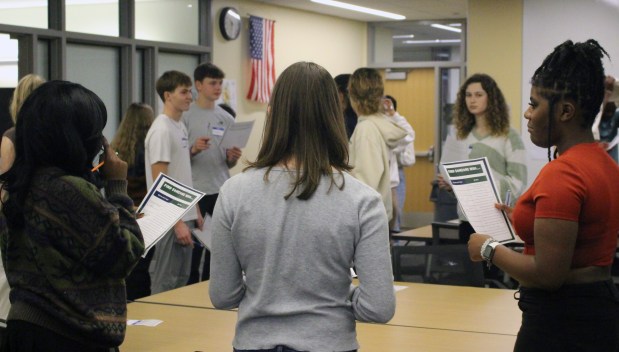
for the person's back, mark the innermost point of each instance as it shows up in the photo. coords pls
(288, 229)
(375, 137)
(67, 248)
(297, 256)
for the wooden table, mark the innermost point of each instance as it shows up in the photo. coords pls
(202, 329)
(471, 309)
(195, 295)
(468, 309)
(422, 234)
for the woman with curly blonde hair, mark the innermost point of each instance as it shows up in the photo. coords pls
(481, 121)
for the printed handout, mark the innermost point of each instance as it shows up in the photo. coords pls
(204, 235)
(165, 204)
(237, 135)
(477, 194)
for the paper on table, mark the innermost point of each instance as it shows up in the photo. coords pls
(204, 235)
(237, 135)
(146, 322)
(165, 204)
(474, 187)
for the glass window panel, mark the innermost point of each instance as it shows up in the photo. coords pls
(43, 58)
(8, 61)
(179, 62)
(450, 84)
(414, 41)
(173, 21)
(86, 16)
(139, 75)
(103, 81)
(24, 13)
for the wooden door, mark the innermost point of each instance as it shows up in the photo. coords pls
(416, 97)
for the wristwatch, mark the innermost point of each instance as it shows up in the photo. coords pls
(487, 250)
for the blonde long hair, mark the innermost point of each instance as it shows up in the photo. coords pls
(132, 130)
(25, 86)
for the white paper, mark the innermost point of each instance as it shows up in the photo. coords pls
(477, 194)
(204, 235)
(397, 288)
(146, 322)
(237, 135)
(165, 204)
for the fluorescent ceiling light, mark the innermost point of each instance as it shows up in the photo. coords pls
(447, 28)
(434, 41)
(403, 36)
(346, 6)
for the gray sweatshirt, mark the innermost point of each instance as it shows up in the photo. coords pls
(296, 256)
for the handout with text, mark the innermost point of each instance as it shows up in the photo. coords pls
(165, 204)
(474, 187)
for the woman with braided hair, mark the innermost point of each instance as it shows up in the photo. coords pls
(567, 218)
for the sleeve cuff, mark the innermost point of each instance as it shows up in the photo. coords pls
(116, 187)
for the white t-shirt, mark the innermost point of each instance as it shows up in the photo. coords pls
(168, 141)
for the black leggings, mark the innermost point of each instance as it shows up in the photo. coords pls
(574, 318)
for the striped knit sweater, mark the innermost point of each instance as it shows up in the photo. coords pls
(67, 266)
(506, 155)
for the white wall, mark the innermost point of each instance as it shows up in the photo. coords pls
(547, 24)
(339, 45)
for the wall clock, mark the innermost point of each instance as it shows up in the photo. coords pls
(230, 23)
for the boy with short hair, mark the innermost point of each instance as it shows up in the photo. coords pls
(211, 168)
(168, 151)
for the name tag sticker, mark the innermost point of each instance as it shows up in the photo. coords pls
(218, 131)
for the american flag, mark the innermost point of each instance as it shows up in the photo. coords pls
(262, 53)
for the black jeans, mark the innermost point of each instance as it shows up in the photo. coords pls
(574, 318)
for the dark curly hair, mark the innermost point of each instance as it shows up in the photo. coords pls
(573, 71)
(497, 113)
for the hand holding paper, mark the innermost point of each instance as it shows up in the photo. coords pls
(165, 204)
(474, 187)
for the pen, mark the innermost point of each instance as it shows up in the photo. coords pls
(508, 198)
(97, 167)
